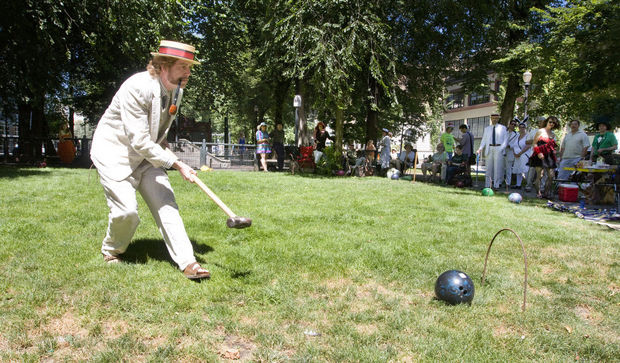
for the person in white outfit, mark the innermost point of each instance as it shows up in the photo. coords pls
(509, 152)
(522, 151)
(573, 149)
(131, 154)
(385, 152)
(494, 140)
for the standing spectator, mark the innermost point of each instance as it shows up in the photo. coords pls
(320, 138)
(509, 154)
(574, 147)
(277, 138)
(467, 144)
(531, 172)
(384, 145)
(447, 139)
(262, 144)
(494, 140)
(131, 154)
(66, 148)
(242, 147)
(604, 143)
(522, 151)
(543, 157)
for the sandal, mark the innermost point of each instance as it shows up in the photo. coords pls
(109, 259)
(194, 271)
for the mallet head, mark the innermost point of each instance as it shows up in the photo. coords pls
(238, 222)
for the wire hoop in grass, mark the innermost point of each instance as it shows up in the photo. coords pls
(484, 271)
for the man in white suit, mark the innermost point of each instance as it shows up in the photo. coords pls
(131, 154)
(494, 140)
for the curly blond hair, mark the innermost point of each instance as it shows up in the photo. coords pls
(158, 61)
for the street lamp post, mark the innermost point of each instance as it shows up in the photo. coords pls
(297, 105)
(527, 77)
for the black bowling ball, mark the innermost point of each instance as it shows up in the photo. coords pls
(454, 287)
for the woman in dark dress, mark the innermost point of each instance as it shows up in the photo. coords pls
(320, 138)
(543, 158)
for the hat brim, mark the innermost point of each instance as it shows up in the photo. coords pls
(176, 57)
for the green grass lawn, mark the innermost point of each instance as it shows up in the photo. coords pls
(353, 259)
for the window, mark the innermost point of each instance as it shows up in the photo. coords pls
(477, 124)
(477, 99)
(455, 100)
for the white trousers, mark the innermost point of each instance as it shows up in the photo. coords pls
(509, 160)
(154, 186)
(495, 167)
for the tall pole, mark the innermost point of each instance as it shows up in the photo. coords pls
(297, 105)
(527, 77)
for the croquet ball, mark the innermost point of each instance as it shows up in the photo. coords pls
(515, 198)
(406, 177)
(205, 168)
(340, 173)
(395, 176)
(487, 192)
(43, 164)
(460, 184)
(454, 287)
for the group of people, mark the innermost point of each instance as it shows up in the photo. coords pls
(510, 151)
(266, 141)
(453, 156)
(535, 155)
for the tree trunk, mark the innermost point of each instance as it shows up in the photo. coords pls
(339, 129)
(304, 134)
(513, 90)
(279, 95)
(372, 115)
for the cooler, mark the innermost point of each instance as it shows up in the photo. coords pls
(568, 192)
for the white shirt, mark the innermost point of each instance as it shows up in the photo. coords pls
(573, 144)
(501, 137)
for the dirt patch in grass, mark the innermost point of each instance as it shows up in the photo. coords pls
(587, 314)
(543, 291)
(366, 329)
(237, 348)
(67, 324)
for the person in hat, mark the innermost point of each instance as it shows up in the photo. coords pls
(385, 150)
(406, 158)
(494, 140)
(262, 144)
(447, 139)
(604, 143)
(130, 152)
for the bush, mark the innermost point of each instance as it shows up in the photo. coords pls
(330, 163)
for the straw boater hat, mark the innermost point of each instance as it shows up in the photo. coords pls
(168, 48)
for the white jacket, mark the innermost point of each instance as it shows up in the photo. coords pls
(127, 132)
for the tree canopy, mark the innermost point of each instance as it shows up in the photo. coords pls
(359, 65)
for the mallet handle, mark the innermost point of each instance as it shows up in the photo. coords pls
(214, 197)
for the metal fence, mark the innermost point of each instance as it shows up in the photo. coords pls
(33, 150)
(214, 155)
(195, 154)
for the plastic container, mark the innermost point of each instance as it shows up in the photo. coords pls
(568, 193)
